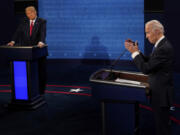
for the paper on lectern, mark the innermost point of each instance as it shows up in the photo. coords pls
(127, 81)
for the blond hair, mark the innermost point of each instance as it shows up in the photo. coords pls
(30, 8)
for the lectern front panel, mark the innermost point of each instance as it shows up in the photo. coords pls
(20, 80)
(119, 93)
(25, 80)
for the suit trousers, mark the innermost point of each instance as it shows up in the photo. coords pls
(161, 115)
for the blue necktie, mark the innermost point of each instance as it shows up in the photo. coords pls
(153, 49)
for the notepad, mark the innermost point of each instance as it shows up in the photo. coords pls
(127, 81)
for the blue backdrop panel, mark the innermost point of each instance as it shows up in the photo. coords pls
(92, 29)
(20, 80)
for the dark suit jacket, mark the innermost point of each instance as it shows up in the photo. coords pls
(159, 67)
(22, 34)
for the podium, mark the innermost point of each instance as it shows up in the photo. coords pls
(24, 75)
(119, 93)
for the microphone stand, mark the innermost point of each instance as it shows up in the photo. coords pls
(115, 61)
(110, 74)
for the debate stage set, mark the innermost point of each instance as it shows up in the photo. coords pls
(92, 85)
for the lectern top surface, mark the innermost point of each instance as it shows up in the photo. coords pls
(110, 76)
(19, 46)
(23, 52)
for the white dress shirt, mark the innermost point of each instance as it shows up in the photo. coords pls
(32, 21)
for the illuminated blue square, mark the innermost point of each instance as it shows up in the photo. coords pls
(20, 80)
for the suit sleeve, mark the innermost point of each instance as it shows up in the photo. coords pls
(154, 63)
(43, 32)
(146, 58)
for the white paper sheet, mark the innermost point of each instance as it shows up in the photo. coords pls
(127, 81)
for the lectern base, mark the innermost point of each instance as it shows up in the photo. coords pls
(120, 117)
(26, 105)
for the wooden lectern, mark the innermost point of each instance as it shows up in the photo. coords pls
(119, 93)
(24, 75)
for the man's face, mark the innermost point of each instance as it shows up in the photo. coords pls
(150, 34)
(31, 14)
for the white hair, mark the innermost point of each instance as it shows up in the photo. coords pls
(156, 25)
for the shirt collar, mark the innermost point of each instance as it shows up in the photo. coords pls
(156, 44)
(33, 20)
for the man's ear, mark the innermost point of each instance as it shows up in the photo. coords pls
(156, 31)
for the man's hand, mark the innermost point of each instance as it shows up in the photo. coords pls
(11, 43)
(41, 45)
(130, 46)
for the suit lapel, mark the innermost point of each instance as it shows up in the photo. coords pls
(161, 42)
(35, 26)
(159, 45)
(27, 28)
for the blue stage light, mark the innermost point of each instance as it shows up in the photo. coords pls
(20, 80)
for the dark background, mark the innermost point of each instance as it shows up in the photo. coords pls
(77, 70)
(165, 11)
(66, 114)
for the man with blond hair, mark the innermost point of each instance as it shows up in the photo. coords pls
(32, 32)
(159, 67)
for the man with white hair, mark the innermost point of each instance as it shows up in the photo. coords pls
(159, 67)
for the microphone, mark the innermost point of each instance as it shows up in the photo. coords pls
(110, 75)
(115, 61)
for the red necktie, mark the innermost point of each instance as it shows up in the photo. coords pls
(31, 27)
